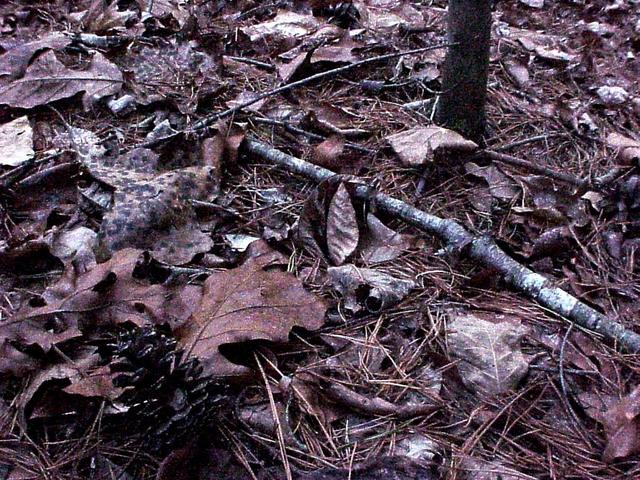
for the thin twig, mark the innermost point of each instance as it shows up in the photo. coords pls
(313, 136)
(542, 170)
(251, 61)
(525, 141)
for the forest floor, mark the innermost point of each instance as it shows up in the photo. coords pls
(174, 307)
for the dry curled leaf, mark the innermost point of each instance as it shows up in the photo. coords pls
(327, 153)
(490, 359)
(368, 289)
(172, 71)
(250, 302)
(381, 244)
(328, 226)
(47, 80)
(15, 61)
(16, 142)
(421, 145)
(107, 294)
(627, 149)
(102, 16)
(285, 25)
(342, 227)
(621, 424)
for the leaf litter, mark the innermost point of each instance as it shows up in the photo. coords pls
(178, 298)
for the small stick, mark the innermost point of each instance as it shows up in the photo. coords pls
(525, 141)
(313, 136)
(375, 405)
(519, 162)
(251, 61)
(482, 249)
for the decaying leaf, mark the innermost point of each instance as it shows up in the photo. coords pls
(164, 9)
(107, 294)
(544, 46)
(381, 244)
(612, 95)
(421, 145)
(250, 302)
(554, 204)
(368, 289)
(627, 149)
(473, 468)
(319, 211)
(47, 80)
(621, 424)
(16, 142)
(75, 245)
(102, 16)
(285, 25)
(491, 361)
(15, 61)
(387, 15)
(500, 185)
(342, 227)
(326, 154)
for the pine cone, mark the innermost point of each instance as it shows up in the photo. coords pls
(167, 396)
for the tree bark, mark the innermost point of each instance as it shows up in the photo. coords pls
(466, 67)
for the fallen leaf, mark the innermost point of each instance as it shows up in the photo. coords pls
(489, 354)
(250, 302)
(533, 3)
(107, 294)
(417, 447)
(47, 80)
(326, 154)
(610, 96)
(75, 245)
(365, 289)
(501, 186)
(381, 244)
(16, 142)
(621, 424)
(385, 16)
(285, 25)
(421, 145)
(320, 209)
(627, 149)
(102, 16)
(164, 9)
(545, 46)
(15, 61)
(342, 227)
(519, 73)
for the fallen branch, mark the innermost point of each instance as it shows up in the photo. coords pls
(481, 249)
